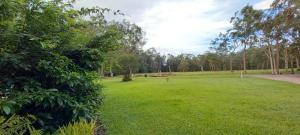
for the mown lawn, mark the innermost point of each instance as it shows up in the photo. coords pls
(201, 103)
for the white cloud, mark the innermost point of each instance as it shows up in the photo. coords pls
(182, 26)
(265, 4)
(179, 26)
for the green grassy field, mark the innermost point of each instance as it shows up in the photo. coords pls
(201, 103)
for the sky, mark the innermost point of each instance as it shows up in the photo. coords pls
(178, 26)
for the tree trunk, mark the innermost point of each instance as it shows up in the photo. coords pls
(128, 75)
(292, 65)
(271, 64)
(101, 71)
(244, 60)
(297, 63)
(130, 72)
(159, 71)
(271, 58)
(224, 65)
(170, 71)
(286, 59)
(277, 58)
(110, 71)
(230, 63)
(277, 65)
(274, 63)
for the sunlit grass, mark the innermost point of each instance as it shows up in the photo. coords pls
(201, 103)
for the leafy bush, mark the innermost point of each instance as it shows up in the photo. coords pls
(45, 71)
(88, 59)
(79, 128)
(54, 90)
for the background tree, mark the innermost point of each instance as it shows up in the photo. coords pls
(244, 26)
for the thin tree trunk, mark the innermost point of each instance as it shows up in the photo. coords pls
(99, 71)
(110, 71)
(170, 69)
(286, 59)
(102, 71)
(271, 58)
(271, 64)
(274, 64)
(244, 60)
(277, 61)
(297, 63)
(128, 74)
(277, 65)
(292, 65)
(230, 63)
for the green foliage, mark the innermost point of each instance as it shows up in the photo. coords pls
(33, 131)
(64, 89)
(125, 59)
(109, 40)
(86, 59)
(79, 128)
(45, 70)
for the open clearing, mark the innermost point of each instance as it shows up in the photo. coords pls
(201, 103)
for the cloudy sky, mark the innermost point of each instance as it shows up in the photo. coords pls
(178, 26)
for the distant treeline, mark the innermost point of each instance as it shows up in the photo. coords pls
(150, 61)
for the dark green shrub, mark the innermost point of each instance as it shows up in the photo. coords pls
(127, 78)
(45, 71)
(87, 59)
(52, 88)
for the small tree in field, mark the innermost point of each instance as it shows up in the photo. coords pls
(131, 46)
(129, 63)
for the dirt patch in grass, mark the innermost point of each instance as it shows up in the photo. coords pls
(286, 78)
